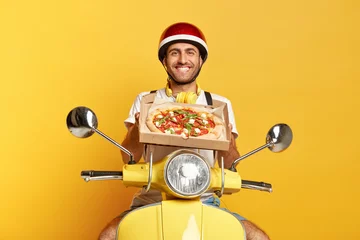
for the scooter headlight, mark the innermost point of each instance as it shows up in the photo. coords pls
(187, 174)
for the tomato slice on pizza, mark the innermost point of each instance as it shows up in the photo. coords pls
(186, 122)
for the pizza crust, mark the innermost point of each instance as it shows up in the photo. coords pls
(149, 121)
(216, 132)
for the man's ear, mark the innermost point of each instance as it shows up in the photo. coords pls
(201, 61)
(163, 62)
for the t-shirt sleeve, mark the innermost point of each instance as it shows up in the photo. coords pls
(232, 119)
(133, 110)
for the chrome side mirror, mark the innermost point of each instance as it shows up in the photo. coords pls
(278, 139)
(82, 123)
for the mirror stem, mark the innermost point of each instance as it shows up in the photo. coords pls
(131, 161)
(233, 166)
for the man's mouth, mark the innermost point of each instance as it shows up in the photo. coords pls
(183, 69)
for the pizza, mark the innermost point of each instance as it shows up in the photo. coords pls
(186, 122)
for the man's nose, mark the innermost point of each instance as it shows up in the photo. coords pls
(182, 58)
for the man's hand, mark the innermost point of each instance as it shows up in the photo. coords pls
(137, 117)
(131, 141)
(230, 155)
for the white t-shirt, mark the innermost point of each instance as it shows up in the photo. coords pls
(142, 198)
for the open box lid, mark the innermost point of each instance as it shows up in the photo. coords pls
(148, 137)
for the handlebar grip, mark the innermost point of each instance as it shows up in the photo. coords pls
(93, 173)
(101, 175)
(259, 184)
(262, 186)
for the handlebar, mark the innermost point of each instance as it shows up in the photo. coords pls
(262, 186)
(92, 175)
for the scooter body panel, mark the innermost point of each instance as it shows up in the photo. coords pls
(142, 223)
(180, 219)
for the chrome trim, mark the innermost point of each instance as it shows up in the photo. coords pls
(232, 168)
(131, 161)
(220, 193)
(254, 187)
(150, 172)
(175, 192)
(88, 179)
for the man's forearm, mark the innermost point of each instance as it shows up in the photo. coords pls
(131, 143)
(230, 155)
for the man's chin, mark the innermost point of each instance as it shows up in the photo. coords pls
(183, 80)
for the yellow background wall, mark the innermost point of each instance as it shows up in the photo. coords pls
(278, 61)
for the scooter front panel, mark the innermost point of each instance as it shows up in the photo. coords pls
(142, 223)
(193, 220)
(182, 219)
(220, 224)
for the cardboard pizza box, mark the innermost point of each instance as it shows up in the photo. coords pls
(148, 137)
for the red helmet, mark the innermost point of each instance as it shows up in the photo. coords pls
(183, 32)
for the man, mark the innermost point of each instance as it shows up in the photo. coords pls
(182, 51)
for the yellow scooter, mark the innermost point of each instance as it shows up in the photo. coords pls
(181, 177)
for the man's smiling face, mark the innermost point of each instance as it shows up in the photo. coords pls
(182, 62)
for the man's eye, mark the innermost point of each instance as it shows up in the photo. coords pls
(173, 53)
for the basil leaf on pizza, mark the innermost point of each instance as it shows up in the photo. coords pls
(186, 122)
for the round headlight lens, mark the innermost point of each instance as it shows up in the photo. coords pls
(187, 174)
